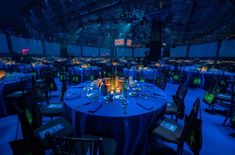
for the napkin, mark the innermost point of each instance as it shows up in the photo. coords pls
(95, 107)
(145, 106)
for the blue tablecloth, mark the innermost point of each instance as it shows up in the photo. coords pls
(135, 73)
(192, 72)
(27, 68)
(76, 70)
(128, 126)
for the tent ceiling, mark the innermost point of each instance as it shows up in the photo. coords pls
(100, 21)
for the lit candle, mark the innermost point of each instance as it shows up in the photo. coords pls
(108, 87)
(112, 78)
(2, 74)
(118, 90)
(116, 81)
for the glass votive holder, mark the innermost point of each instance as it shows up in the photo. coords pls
(118, 90)
(112, 92)
(91, 77)
(142, 80)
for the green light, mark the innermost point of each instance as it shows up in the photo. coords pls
(176, 77)
(91, 77)
(209, 97)
(29, 116)
(197, 81)
(142, 80)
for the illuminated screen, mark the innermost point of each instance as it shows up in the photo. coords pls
(227, 48)
(119, 42)
(209, 97)
(203, 50)
(176, 77)
(34, 46)
(124, 52)
(179, 51)
(105, 52)
(52, 48)
(90, 51)
(140, 52)
(74, 50)
(197, 81)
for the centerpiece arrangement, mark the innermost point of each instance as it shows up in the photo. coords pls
(85, 65)
(204, 68)
(114, 85)
(2, 74)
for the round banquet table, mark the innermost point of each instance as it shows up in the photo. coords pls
(128, 125)
(192, 72)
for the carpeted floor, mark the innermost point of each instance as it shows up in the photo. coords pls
(216, 137)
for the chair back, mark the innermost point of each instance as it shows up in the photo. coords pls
(75, 78)
(64, 76)
(39, 93)
(49, 79)
(25, 119)
(193, 113)
(179, 96)
(30, 119)
(26, 83)
(75, 146)
(86, 74)
(193, 127)
(177, 75)
(63, 90)
(178, 89)
(161, 82)
(194, 75)
(180, 107)
(191, 118)
(166, 72)
(182, 92)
